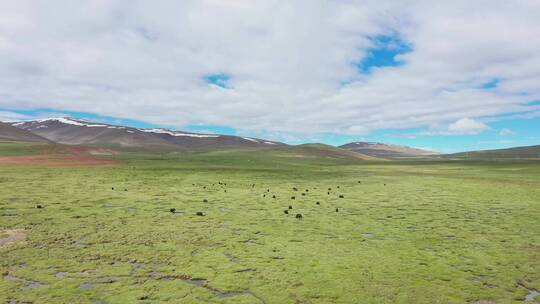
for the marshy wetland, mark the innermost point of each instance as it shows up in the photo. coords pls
(369, 231)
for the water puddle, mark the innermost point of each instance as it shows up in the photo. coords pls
(199, 282)
(61, 274)
(31, 284)
(86, 286)
(531, 296)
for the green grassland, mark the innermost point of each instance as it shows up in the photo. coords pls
(406, 232)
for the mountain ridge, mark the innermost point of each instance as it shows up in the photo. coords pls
(71, 131)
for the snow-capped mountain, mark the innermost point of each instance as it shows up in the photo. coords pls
(81, 132)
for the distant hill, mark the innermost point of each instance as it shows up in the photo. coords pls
(510, 153)
(11, 133)
(381, 150)
(80, 132)
(322, 150)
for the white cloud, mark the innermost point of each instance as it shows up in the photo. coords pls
(467, 126)
(287, 61)
(462, 126)
(506, 132)
(12, 116)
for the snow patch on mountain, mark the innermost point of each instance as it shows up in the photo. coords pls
(250, 139)
(176, 133)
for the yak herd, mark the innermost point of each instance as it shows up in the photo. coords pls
(298, 215)
(252, 186)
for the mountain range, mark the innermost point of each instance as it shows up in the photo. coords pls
(69, 131)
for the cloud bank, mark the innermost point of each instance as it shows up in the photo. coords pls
(278, 66)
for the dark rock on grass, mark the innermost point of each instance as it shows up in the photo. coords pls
(112, 188)
(295, 189)
(303, 194)
(125, 189)
(341, 196)
(299, 216)
(143, 298)
(329, 189)
(337, 209)
(205, 201)
(290, 207)
(328, 193)
(286, 211)
(172, 210)
(273, 196)
(39, 206)
(307, 190)
(199, 213)
(292, 197)
(318, 203)
(359, 182)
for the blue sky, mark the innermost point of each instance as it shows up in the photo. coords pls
(422, 75)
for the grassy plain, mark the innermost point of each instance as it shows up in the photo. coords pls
(405, 232)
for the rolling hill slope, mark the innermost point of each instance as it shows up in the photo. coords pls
(528, 152)
(376, 149)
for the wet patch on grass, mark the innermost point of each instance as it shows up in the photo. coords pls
(12, 237)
